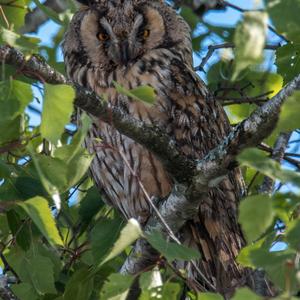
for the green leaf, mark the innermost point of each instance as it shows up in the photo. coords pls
(57, 110)
(249, 40)
(14, 14)
(245, 293)
(289, 115)
(244, 256)
(129, 234)
(288, 61)
(60, 174)
(27, 45)
(19, 229)
(171, 250)
(14, 97)
(190, 17)
(103, 236)
(168, 291)
(11, 130)
(258, 207)
(285, 16)
(284, 204)
(5, 170)
(80, 286)
(38, 210)
(277, 264)
(209, 296)
(149, 280)
(254, 158)
(42, 275)
(24, 291)
(90, 205)
(143, 93)
(33, 268)
(292, 234)
(116, 287)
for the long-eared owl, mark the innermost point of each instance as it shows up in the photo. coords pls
(145, 42)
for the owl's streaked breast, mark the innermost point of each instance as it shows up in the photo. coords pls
(110, 166)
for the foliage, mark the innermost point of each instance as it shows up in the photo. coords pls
(61, 241)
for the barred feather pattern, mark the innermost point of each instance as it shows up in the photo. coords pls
(196, 122)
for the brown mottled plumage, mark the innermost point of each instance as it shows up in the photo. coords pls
(146, 43)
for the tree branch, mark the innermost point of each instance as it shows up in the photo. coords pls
(213, 48)
(5, 292)
(34, 67)
(286, 155)
(37, 17)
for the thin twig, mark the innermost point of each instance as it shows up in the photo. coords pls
(213, 48)
(286, 157)
(4, 16)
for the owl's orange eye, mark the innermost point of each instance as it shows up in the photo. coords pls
(146, 33)
(103, 36)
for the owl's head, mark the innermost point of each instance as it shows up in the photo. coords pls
(118, 32)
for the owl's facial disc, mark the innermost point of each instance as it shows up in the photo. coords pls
(122, 45)
(119, 38)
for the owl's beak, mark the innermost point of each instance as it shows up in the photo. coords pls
(125, 53)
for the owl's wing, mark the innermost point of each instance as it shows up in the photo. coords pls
(198, 123)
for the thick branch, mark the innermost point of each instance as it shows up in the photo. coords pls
(34, 67)
(5, 292)
(149, 136)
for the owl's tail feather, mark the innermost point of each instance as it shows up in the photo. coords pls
(219, 239)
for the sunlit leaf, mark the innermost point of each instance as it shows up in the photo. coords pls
(244, 256)
(143, 93)
(14, 13)
(57, 109)
(25, 44)
(38, 210)
(209, 296)
(129, 234)
(103, 237)
(245, 293)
